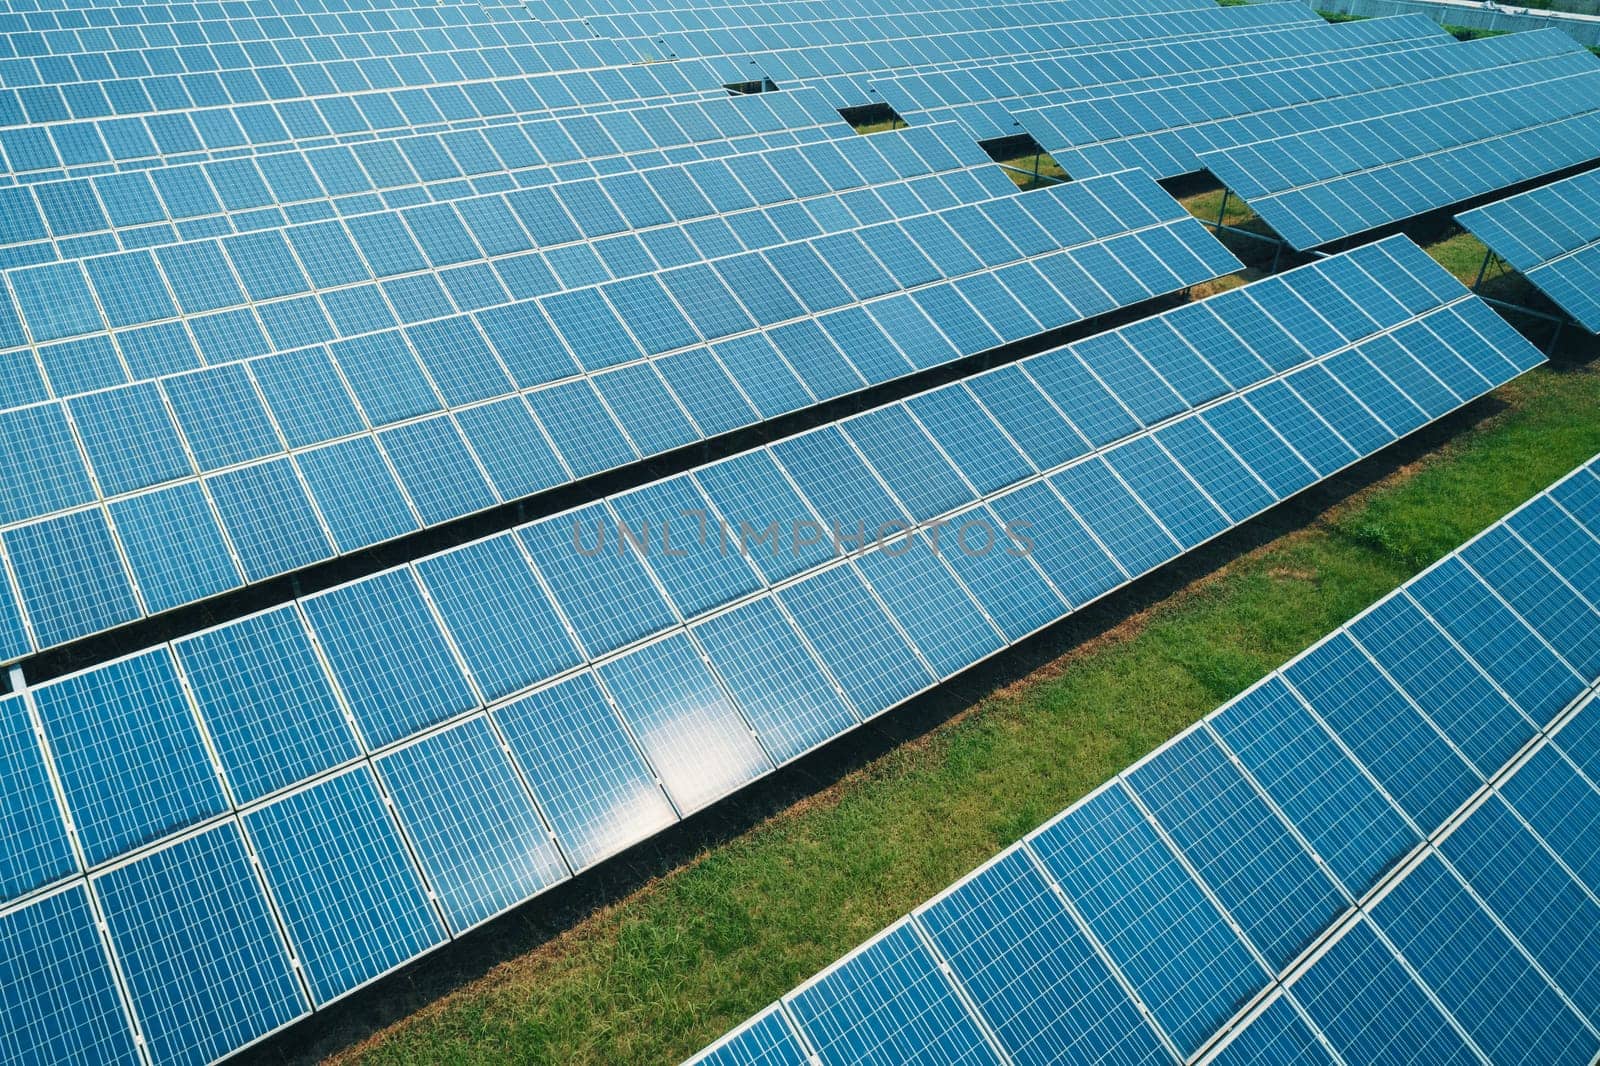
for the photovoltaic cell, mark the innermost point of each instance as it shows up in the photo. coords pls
(1032, 973)
(927, 1026)
(132, 763)
(471, 821)
(206, 968)
(353, 903)
(62, 1002)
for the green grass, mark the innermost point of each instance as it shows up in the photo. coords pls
(1470, 33)
(693, 952)
(1022, 169)
(880, 126)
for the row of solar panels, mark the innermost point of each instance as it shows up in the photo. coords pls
(845, 73)
(123, 118)
(70, 577)
(405, 169)
(1165, 131)
(55, 151)
(1299, 861)
(1320, 185)
(798, 24)
(1551, 235)
(674, 216)
(158, 205)
(93, 73)
(986, 99)
(82, 217)
(489, 809)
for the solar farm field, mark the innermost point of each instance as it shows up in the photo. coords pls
(907, 531)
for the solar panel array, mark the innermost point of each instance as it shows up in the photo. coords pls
(1366, 170)
(842, 57)
(1384, 851)
(1078, 35)
(267, 815)
(986, 100)
(280, 282)
(348, 398)
(1552, 235)
(1165, 130)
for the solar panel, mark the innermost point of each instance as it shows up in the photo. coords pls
(457, 414)
(1164, 130)
(1102, 28)
(1353, 175)
(364, 788)
(987, 100)
(1259, 890)
(1550, 235)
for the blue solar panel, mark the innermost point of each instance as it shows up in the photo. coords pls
(1508, 1009)
(1164, 128)
(267, 705)
(1538, 901)
(472, 822)
(685, 544)
(1271, 886)
(598, 579)
(1121, 522)
(872, 661)
(1364, 1001)
(773, 676)
(1032, 974)
(1561, 805)
(293, 373)
(205, 966)
(37, 849)
(499, 617)
(1354, 172)
(1278, 1034)
(128, 726)
(1527, 669)
(924, 596)
(1549, 235)
(766, 1040)
(1057, 543)
(695, 736)
(651, 692)
(69, 577)
(930, 1025)
(1383, 729)
(1349, 824)
(593, 784)
(996, 567)
(986, 100)
(62, 1002)
(1183, 959)
(352, 903)
(388, 655)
